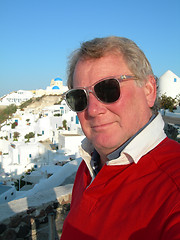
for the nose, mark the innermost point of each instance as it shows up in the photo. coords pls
(95, 107)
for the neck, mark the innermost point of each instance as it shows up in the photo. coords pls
(103, 160)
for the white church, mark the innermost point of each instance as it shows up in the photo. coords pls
(56, 87)
(169, 84)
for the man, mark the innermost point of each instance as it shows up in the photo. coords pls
(128, 184)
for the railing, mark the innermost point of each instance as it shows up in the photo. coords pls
(25, 219)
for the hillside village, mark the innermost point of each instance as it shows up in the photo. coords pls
(35, 143)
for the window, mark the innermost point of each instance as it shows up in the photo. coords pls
(77, 120)
(175, 80)
(18, 159)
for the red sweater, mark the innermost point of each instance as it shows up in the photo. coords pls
(134, 202)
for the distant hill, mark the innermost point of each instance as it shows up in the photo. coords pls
(37, 104)
(41, 102)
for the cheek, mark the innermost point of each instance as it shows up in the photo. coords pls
(127, 107)
(131, 98)
(122, 105)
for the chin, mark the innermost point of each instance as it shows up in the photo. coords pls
(106, 145)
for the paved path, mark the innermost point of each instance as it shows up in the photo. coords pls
(172, 120)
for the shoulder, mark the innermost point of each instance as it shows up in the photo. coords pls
(167, 149)
(167, 158)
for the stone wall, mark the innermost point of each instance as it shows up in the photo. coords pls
(37, 217)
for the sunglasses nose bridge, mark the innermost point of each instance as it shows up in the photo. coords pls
(91, 90)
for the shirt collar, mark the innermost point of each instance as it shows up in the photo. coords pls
(141, 143)
(118, 151)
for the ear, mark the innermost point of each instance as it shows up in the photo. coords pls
(150, 90)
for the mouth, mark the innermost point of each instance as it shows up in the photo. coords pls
(100, 127)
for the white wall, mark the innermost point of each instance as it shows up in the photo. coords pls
(16, 97)
(169, 84)
(8, 195)
(4, 145)
(24, 153)
(70, 142)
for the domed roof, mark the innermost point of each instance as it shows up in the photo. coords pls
(55, 87)
(57, 79)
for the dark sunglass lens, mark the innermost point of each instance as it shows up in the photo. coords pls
(108, 91)
(76, 99)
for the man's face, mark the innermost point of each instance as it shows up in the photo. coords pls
(108, 126)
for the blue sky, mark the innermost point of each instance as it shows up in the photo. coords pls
(37, 36)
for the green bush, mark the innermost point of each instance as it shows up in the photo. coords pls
(7, 112)
(14, 124)
(57, 115)
(64, 124)
(29, 135)
(166, 102)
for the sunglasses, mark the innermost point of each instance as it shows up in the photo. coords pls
(106, 90)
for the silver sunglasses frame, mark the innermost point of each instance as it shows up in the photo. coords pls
(90, 89)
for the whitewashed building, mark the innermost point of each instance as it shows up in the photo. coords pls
(7, 193)
(56, 87)
(18, 154)
(70, 141)
(16, 98)
(169, 84)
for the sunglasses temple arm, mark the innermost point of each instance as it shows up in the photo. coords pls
(63, 95)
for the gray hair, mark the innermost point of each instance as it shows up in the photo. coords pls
(98, 47)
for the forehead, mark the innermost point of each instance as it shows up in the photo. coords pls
(89, 71)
